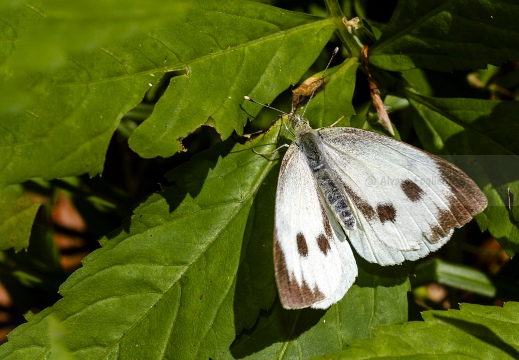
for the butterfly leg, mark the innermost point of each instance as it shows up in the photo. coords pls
(270, 153)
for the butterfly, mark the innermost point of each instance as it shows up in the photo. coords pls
(341, 185)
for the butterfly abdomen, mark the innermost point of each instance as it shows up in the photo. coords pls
(335, 198)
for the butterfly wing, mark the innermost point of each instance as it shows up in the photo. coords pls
(406, 202)
(313, 267)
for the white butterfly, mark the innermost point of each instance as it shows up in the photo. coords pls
(392, 201)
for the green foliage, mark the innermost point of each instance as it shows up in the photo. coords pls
(448, 34)
(376, 299)
(458, 276)
(189, 274)
(473, 332)
(222, 68)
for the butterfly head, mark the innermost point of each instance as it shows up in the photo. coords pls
(299, 124)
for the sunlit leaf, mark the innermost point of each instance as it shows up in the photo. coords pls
(473, 332)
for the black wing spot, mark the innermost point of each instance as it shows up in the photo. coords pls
(323, 244)
(386, 212)
(302, 247)
(412, 190)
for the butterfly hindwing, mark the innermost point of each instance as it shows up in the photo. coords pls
(313, 267)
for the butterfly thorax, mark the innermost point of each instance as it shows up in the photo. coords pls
(307, 139)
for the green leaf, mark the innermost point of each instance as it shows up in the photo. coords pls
(17, 214)
(164, 285)
(448, 34)
(62, 120)
(54, 29)
(256, 52)
(482, 134)
(473, 332)
(374, 300)
(325, 109)
(454, 275)
(78, 102)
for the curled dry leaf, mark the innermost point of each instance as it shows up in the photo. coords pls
(303, 92)
(375, 96)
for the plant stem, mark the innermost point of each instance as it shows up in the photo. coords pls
(335, 12)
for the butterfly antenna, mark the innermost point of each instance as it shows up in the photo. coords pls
(264, 105)
(335, 51)
(270, 107)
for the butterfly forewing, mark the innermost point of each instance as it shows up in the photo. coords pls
(406, 202)
(313, 267)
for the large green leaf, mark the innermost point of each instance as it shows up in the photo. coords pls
(448, 34)
(49, 29)
(482, 134)
(64, 115)
(473, 332)
(255, 51)
(58, 117)
(165, 283)
(177, 265)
